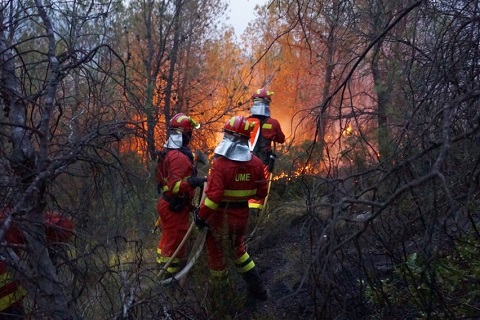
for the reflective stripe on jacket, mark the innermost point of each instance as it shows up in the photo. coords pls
(271, 130)
(58, 229)
(172, 173)
(10, 291)
(233, 181)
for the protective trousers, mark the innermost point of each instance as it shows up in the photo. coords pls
(218, 246)
(174, 226)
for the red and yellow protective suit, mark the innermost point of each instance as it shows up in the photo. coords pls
(58, 229)
(229, 186)
(270, 131)
(171, 174)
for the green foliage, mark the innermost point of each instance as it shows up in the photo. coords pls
(443, 287)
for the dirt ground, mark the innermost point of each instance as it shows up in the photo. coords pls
(274, 247)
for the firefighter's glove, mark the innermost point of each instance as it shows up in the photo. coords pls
(199, 222)
(196, 181)
(271, 162)
(201, 157)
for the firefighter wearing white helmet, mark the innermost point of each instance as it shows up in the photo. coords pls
(235, 176)
(267, 131)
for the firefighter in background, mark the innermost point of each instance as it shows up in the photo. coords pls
(58, 230)
(176, 179)
(235, 176)
(266, 131)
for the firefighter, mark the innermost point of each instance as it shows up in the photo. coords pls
(266, 131)
(235, 176)
(58, 230)
(176, 179)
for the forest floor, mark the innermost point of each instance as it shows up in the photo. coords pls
(274, 246)
(297, 270)
(274, 243)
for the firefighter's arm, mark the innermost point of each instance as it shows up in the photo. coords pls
(178, 174)
(213, 193)
(262, 189)
(261, 184)
(199, 222)
(279, 135)
(272, 131)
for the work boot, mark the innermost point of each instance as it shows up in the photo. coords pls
(255, 284)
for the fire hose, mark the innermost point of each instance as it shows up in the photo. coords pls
(271, 165)
(270, 176)
(196, 250)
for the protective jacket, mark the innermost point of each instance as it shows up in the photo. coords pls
(230, 185)
(175, 203)
(58, 229)
(266, 130)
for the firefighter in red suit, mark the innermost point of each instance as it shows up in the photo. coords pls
(235, 176)
(176, 180)
(58, 229)
(267, 130)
